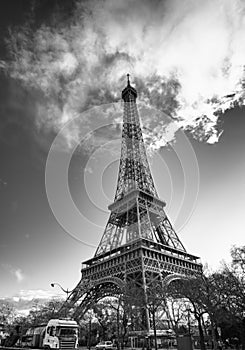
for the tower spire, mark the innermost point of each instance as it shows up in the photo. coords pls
(128, 75)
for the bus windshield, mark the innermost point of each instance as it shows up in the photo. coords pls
(65, 331)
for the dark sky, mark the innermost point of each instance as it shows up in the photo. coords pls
(34, 105)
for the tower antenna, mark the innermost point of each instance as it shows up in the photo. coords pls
(128, 79)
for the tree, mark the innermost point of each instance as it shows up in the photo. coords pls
(232, 291)
(146, 302)
(7, 312)
(238, 261)
(156, 298)
(42, 313)
(178, 310)
(119, 307)
(106, 318)
(203, 292)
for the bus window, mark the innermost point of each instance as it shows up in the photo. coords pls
(65, 331)
(52, 331)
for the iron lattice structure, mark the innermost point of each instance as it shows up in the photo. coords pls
(139, 243)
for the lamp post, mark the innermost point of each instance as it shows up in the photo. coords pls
(64, 290)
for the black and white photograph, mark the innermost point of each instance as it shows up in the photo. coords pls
(122, 187)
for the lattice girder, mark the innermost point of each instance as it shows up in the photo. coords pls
(134, 170)
(132, 263)
(140, 215)
(87, 293)
(96, 293)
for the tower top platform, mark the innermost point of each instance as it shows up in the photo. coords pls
(129, 93)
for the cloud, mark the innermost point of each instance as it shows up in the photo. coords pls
(3, 183)
(29, 294)
(185, 57)
(16, 272)
(19, 275)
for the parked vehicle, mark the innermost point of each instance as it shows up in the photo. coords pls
(56, 334)
(104, 345)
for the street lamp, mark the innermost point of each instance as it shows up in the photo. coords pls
(64, 290)
(67, 294)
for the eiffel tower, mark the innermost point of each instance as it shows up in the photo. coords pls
(138, 241)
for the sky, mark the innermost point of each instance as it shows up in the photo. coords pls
(63, 65)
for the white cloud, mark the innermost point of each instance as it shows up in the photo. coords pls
(199, 44)
(19, 275)
(29, 294)
(3, 183)
(16, 272)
